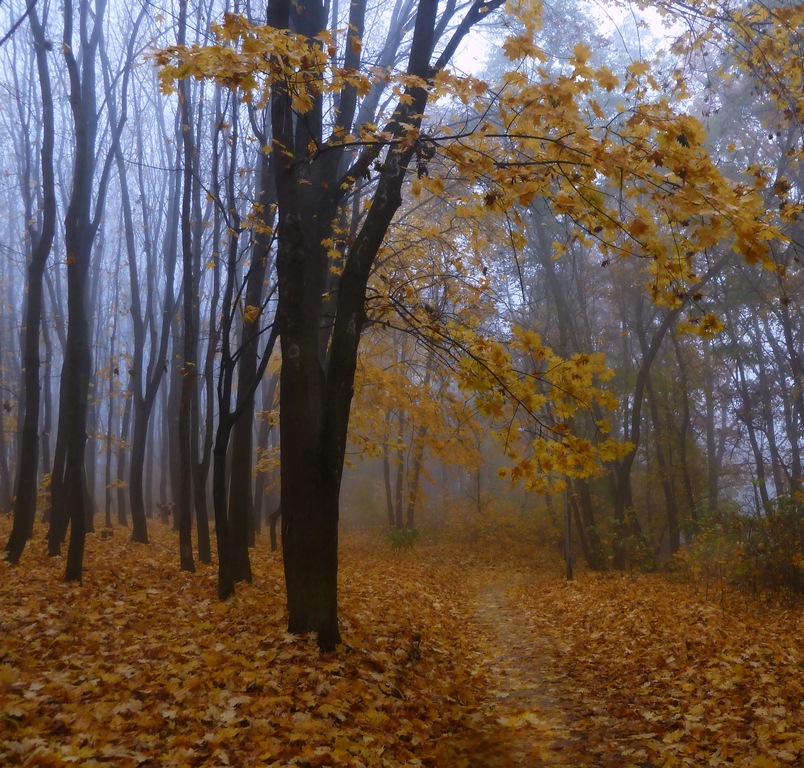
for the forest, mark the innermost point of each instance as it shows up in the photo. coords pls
(395, 378)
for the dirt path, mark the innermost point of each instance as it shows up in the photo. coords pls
(522, 690)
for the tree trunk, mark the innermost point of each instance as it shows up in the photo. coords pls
(747, 414)
(263, 437)
(399, 523)
(123, 480)
(386, 471)
(588, 527)
(684, 432)
(241, 499)
(189, 365)
(79, 232)
(624, 515)
(766, 394)
(25, 503)
(712, 464)
(315, 390)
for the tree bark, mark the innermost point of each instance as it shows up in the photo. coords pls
(25, 503)
(79, 232)
(189, 367)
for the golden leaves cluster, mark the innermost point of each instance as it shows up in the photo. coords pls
(250, 59)
(536, 397)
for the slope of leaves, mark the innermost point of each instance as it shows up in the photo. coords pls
(140, 665)
(656, 673)
(466, 651)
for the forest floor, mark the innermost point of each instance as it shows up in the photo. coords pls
(468, 649)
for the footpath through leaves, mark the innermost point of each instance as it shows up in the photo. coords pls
(468, 650)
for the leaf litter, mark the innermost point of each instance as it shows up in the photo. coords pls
(468, 650)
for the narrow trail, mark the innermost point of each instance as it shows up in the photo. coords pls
(522, 690)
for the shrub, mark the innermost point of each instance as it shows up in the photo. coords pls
(760, 551)
(402, 538)
(773, 547)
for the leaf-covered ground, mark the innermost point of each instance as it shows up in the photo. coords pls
(468, 650)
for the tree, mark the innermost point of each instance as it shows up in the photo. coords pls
(80, 229)
(636, 181)
(41, 243)
(145, 373)
(312, 183)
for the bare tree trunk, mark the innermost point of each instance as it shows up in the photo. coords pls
(144, 378)
(79, 234)
(712, 463)
(241, 500)
(400, 471)
(122, 462)
(746, 415)
(386, 471)
(623, 502)
(114, 373)
(263, 436)
(189, 367)
(25, 503)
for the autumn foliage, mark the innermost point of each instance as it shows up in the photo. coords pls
(465, 650)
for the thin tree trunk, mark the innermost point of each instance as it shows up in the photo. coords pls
(747, 413)
(122, 462)
(684, 432)
(386, 470)
(25, 503)
(263, 436)
(241, 499)
(79, 234)
(400, 471)
(189, 367)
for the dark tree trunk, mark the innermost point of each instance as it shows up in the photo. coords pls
(59, 520)
(25, 503)
(169, 416)
(684, 436)
(272, 522)
(587, 527)
(766, 393)
(386, 471)
(79, 232)
(624, 515)
(712, 464)
(399, 520)
(747, 414)
(189, 366)
(114, 372)
(140, 381)
(5, 471)
(316, 390)
(414, 474)
(47, 411)
(241, 499)
(659, 441)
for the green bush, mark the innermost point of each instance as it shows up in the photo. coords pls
(402, 538)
